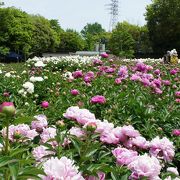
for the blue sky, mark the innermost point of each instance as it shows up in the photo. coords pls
(76, 14)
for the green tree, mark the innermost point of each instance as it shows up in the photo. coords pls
(71, 41)
(121, 42)
(44, 37)
(16, 31)
(92, 34)
(163, 18)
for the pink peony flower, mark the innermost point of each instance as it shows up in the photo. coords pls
(176, 132)
(162, 148)
(101, 176)
(21, 131)
(47, 134)
(78, 132)
(158, 91)
(85, 116)
(173, 170)
(44, 104)
(72, 112)
(130, 131)
(39, 122)
(109, 138)
(124, 156)
(41, 151)
(98, 100)
(139, 142)
(74, 92)
(63, 168)
(166, 82)
(103, 126)
(145, 166)
(118, 80)
(6, 94)
(177, 100)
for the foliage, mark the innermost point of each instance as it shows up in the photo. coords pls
(92, 33)
(121, 42)
(71, 41)
(163, 24)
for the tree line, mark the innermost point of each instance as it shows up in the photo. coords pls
(31, 35)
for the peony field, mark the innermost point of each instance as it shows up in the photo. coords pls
(89, 118)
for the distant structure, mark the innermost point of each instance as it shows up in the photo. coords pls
(114, 11)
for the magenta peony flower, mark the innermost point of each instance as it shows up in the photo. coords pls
(173, 71)
(63, 168)
(104, 55)
(123, 72)
(98, 100)
(124, 156)
(177, 94)
(77, 74)
(135, 77)
(39, 122)
(162, 148)
(157, 72)
(97, 62)
(74, 92)
(176, 132)
(7, 108)
(44, 104)
(145, 166)
(177, 100)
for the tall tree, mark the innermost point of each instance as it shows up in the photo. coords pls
(91, 33)
(44, 37)
(16, 30)
(121, 42)
(163, 17)
(71, 41)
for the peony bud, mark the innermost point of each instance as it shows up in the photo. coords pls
(7, 108)
(74, 92)
(44, 104)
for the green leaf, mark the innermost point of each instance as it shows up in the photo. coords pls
(22, 120)
(6, 160)
(76, 144)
